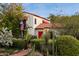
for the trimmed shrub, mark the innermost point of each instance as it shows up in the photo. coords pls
(67, 46)
(20, 43)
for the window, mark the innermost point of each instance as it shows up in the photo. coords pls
(35, 21)
(43, 21)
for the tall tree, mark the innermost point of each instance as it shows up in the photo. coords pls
(12, 17)
(51, 17)
(70, 23)
(3, 7)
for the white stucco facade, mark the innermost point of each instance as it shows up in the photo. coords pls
(31, 22)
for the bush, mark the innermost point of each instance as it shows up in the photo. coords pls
(27, 37)
(34, 37)
(66, 46)
(6, 37)
(50, 46)
(38, 41)
(19, 43)
(38, 44)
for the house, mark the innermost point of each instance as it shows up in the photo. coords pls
(37, 24)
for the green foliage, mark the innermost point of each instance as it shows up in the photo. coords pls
(3, 7)
(19, 43)
(27, 36)
(42, 47)
(22, 43)
(38, 41)
(50, 41)
(51, 17)
(50, 47)
(12, 17)
(38, 44)
(34, 37)
(70, 23)
(46, 35)
(66, 46)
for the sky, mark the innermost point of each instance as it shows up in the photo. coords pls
(45, 9)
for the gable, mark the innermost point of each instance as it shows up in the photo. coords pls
(36, 16)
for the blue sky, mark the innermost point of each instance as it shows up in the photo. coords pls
(44, 9)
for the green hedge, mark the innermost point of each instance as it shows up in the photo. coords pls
(20, 43)
(66, 46)
(41, 46)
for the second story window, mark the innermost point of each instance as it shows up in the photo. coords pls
(35, 21)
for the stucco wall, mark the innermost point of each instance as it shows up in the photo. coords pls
(31, 23)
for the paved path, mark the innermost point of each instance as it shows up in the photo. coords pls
(22, 52)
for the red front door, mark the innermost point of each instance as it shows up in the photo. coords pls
(40, 34)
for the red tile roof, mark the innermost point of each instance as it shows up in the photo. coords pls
(49, 25)
(44, 25)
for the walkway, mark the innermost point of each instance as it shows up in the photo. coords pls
(22, 52)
